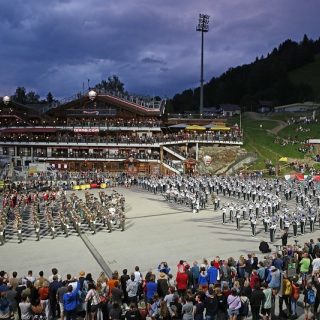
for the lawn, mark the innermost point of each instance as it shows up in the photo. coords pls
(259, 139)
(291, 131)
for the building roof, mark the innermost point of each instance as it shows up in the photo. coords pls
(229, 107)
(307, 104)
(115, 101)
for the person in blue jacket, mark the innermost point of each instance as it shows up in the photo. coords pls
(71, 302)
(212, 274)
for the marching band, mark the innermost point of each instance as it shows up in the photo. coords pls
(47, 212)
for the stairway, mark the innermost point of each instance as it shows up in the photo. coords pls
(174, 153)
(171, 167)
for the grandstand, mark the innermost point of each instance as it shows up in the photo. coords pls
(108, 131)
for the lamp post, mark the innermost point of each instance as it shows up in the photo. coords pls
(92, 95)
(203, 26)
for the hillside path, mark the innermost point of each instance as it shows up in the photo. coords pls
(257, 116)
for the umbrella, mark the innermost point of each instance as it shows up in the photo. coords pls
(195, 127)
(283, 159)
(220, 128)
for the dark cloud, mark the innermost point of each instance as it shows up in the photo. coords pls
(152, 45)
(152, 60)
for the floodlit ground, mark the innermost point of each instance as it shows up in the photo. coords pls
(155, 231)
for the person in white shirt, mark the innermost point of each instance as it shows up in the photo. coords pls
(54, 273)
(316, 263)
(29, 277)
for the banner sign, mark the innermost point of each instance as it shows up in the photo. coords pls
(96, 112)
(85, 130)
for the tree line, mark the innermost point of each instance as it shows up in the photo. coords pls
(267, 78)
(21, 95)
(31, 97)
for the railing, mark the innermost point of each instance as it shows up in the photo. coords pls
(195, 116)
(174, 152)
(161, 139)
(106, 156)
(172, 166)
(148, 103)
(56, 124)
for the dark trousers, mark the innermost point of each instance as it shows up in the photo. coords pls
(286, 300)
(54, 308)
(71, 314)
(316, 305)
(255, 313)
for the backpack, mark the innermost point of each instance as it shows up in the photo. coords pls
(244, 309)
(311, 297)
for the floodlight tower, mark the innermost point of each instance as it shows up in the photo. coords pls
(203, 26)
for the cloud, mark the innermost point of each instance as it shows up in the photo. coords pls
(151, 45)
(152, 60)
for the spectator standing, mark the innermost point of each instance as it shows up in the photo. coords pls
(195, 270)
(211, 305)
(187, 309)
(256, 300)
(70, 302)
(182, 283)
(11, 295)
(151, 288)
(123, 280)
(60, 293)
(162, 285)
(25, 308)
(132, 289)
(234, 304)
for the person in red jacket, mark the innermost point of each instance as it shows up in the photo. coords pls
(254, 279)
(182, 283)
(216, 262)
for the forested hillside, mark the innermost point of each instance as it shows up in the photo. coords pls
(285, 75)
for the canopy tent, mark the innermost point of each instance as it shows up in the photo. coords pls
(195, 127)
(299, 176)
(316, 178)
(220, 128)
(209, 125)
(283, 159)
(178, 126)
(296, 176)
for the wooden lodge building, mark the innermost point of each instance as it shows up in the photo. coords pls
(108, 132)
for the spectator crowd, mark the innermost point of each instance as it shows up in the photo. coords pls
(277, 284)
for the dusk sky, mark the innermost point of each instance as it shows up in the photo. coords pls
(153, 46)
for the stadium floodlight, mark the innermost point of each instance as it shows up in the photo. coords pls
(6, 100)
(203, 26)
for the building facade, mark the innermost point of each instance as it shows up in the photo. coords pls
(105, 131)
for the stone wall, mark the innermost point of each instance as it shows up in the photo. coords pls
(221, 157)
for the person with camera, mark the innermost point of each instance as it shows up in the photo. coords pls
(71, 301)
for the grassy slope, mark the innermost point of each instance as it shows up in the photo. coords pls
(260, 140)
(309, 74)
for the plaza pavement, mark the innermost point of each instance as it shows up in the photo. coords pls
(156, 231)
